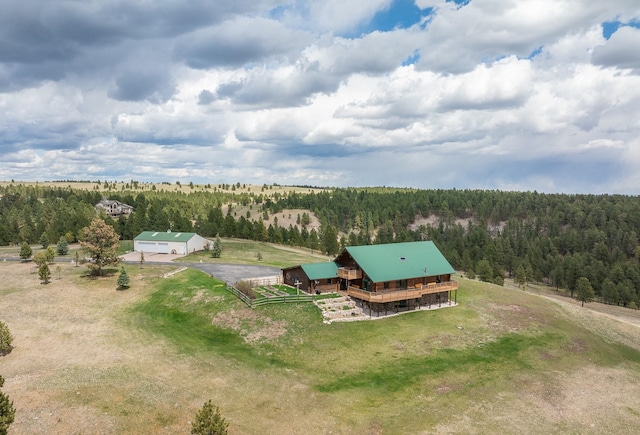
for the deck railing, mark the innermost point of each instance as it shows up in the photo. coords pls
(402, 294)
(346, 273)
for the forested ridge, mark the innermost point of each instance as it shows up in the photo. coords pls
(555, 238)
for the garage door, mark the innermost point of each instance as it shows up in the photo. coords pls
(147, 247)
(163, 248)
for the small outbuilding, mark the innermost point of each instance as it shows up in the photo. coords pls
(157, 242)
(313, 278)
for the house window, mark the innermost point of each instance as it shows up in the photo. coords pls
(329, 281)
(386, 285)
(402, 283)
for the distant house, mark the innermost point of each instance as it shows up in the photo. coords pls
(113, 208)
(382, 277)
(158, 242)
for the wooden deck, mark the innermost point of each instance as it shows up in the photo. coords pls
(400, 295)
(350, 274)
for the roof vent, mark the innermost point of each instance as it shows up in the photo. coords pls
(402, 258)
(169, 230)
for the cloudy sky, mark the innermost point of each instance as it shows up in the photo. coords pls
(492, 94)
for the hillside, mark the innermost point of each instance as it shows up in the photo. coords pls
(144, 360)
(555, 239)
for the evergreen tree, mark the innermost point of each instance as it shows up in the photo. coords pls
(521, 277)
(25, 251)
(123, 279)
(6, 339)
(63, 246)
(40, 258)
(216, 252)
(7, 411)
(584, 291)
(44, 273)
(208, 421)
(484, 270)
(330, 240)
(50, 254)
(44, 241)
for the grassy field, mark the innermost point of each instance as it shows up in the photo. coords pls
(168, 187)
(90, 359)
(239, 251)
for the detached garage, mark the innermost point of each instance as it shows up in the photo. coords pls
(156, 242)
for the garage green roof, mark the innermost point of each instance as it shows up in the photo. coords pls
(395, 261)
(320, 270)
(163, 236)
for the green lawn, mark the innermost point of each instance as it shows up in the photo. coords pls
(238, 251)
(493, 339)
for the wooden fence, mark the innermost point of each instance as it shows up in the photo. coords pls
(265, 280)
(252, 303)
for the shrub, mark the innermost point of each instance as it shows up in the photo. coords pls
(245, 288)
(471, 274)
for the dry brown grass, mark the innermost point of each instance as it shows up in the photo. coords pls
(81, 365)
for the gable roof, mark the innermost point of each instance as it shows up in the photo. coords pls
(164, 236)
(320, 270)
(395, 261)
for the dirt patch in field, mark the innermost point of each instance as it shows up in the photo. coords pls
(510, 318)
(250, 325)
(446, 388)
(201, 295)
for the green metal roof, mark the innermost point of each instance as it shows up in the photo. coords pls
(395, 261)
(163, 236)
(320, 270)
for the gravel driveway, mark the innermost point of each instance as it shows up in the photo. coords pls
(230, 273)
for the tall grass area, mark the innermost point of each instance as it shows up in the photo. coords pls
(407, 373)
(181, 310)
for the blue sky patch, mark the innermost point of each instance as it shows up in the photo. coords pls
(402, 14)
(412, 59)
(611, 27)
